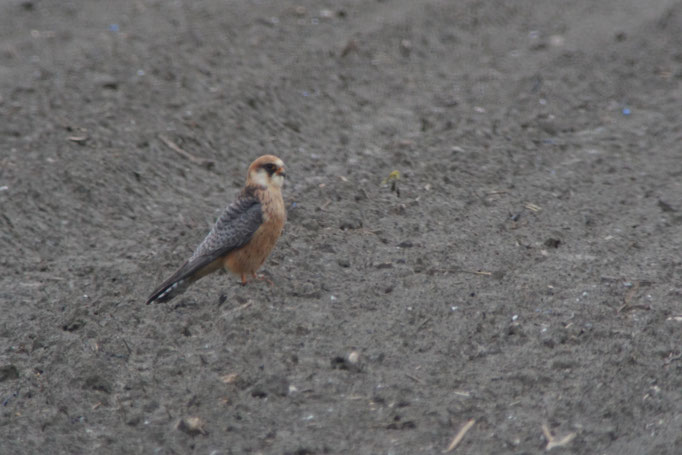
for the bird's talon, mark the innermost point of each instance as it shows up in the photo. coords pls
(263, 278)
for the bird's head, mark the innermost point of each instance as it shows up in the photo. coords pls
(267, 171)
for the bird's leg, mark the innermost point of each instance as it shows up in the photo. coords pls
(263, 278)
(243, 279)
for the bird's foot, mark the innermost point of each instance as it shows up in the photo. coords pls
(263, 278)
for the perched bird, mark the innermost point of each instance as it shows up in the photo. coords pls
(244, 234)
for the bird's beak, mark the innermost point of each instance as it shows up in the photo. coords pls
(281, 172)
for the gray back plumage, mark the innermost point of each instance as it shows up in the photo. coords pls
(233, 230)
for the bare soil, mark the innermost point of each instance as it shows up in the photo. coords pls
(524, 270)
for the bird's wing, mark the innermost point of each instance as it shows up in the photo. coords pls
(234, 229)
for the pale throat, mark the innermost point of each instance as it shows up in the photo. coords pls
(277, 180)
(261, 178)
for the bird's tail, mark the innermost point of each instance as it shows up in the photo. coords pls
(190, 271)
(169, 289)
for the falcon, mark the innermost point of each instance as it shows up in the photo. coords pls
(244, 234)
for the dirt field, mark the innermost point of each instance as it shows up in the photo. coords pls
(524, 271)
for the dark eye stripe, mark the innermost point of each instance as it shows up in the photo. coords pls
(270, 168)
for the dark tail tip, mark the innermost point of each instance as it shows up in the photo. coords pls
(151, 299)
(167, 291)
(162, 298)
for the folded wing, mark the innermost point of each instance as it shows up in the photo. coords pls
(233, 230)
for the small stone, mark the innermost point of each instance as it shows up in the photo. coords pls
(405, 47)
(229, 378)
(353, 357)
(192, 426)
(350, 362)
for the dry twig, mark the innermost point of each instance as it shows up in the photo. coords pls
(241, 307)
(552, 440)
(78, 139)
(415, 379)
(475, 272)
(194, 159)
(628, 297)
(460, 435)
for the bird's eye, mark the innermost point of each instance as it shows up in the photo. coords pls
(269, 167)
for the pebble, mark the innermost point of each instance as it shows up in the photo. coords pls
(192, 426)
